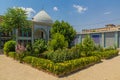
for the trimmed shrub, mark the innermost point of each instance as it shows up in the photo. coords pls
(9, 46)
(12, 54)
(109, 54)
(105, 54)
(19, 56)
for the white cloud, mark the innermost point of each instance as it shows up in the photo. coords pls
(29, 11)
(55, 8)
(79, 8)
(106, 13)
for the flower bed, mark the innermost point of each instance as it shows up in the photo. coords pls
(65, 67)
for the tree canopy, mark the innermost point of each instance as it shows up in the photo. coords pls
(65, 29)
(15, 18)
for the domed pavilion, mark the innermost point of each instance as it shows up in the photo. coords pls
(42, 23)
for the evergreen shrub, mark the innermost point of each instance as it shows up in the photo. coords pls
(9, 46)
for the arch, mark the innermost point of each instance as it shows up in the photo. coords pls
(40, 33)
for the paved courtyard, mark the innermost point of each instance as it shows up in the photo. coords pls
(13, 70)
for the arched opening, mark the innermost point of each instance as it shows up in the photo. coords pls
(39, 34)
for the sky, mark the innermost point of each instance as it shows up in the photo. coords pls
(81, 14)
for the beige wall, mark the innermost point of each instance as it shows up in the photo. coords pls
(109, 27)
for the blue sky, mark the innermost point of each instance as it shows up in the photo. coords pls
(81, 14)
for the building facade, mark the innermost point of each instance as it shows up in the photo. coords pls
(40, 29)
(108, 36)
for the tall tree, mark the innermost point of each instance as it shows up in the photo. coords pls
(15, 18)
(65, 29)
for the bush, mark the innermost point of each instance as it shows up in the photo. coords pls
(39, 46)
(19, 56)
(57, 42)
(99, 48)
(9, 46)
(61, 68)
(12, 54)
(29, 47)
(88, 43)
(87, 46)
(61, 55)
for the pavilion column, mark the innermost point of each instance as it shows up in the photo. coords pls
(32, 33)
(48, 35)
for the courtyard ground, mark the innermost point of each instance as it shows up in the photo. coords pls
(13, 70)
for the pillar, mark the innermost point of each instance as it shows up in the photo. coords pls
(103, 40)
(32, 34)
(116, 39)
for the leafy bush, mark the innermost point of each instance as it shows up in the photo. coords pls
(99, 48)
(61, 55)
(9, 46)
(88, 45)
(29, 47)
(57, 42)
(61, 68)
(58, 55)
(39, 46)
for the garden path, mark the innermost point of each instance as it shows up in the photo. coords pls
(13, 70)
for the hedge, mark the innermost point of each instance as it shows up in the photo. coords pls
(61, 69)
(18, 56)
(109, 54)
(12, 54)
(105, 54)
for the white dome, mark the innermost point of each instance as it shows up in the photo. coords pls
(43, 17)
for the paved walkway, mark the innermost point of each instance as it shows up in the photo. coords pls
(13, 70)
